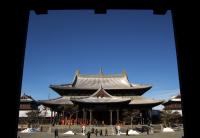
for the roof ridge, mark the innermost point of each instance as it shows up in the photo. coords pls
(101, 75)
(104, 94)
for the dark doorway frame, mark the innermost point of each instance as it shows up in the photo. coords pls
(19, 18)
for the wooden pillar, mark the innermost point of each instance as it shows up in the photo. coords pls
(117, 115)
(90, 117)
(150, 115)
(141, 117)
(63, 117)
(84, 115)
(110, 117)
(51, 117)
(76, 117)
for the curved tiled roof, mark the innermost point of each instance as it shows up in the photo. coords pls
(173, 99)
(117, 81)
(64, 100)
(101, 96)
(103, 100)
(106, 82)
(26, 98)
(138, 100)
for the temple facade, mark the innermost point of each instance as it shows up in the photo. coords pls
(173, 104)
(101, 99)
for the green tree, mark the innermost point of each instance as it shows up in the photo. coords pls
(130, 115)
(176, 118)
(169, 118)
(33, 118)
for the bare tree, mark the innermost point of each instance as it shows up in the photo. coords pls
(70, 110)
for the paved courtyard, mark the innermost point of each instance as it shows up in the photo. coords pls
(177, 134)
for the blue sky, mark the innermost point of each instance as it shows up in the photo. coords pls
(61, 42)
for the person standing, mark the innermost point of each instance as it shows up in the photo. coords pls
(88, 134)
(115, 129)
(147, 130)
(101, 133)
(127, 132)
(106, 132)
(92, 130)
(118, 130)
(56, 133)
(83, 129)
(96, 132)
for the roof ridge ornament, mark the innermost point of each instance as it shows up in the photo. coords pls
(77, 72)
(124, 73)
(100, 86)
(101, 72)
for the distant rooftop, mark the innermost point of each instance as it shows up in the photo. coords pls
(26, 98)
(173, 99)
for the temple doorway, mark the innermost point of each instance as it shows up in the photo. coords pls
(101, 118)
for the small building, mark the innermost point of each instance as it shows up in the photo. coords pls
(173, 104)
(27, 104)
